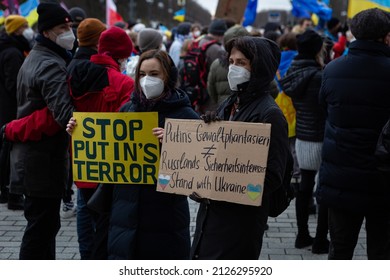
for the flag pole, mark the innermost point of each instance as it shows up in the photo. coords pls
(107, 14)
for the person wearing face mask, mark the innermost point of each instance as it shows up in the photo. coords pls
(217, 82)
(146, 224)
(39, 163)
(227, 230)
(196, 30)
(14, 47)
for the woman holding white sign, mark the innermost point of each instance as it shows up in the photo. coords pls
(146, 224)
(227, 230)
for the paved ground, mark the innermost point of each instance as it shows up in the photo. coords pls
(278, 240)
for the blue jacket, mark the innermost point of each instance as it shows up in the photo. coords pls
(355, 91)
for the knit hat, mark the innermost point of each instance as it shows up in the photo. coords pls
(77, 14)
(332, 23)
(89, 31)
(13, 23)
(51, 15)
(149, 39)
(235, 31)
(217, 27)
(184, 28)
(309, 42)
(115, 42)
(371, 24)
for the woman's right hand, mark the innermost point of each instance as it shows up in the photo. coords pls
(71, 125)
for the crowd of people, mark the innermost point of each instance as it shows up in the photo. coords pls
(324, 92)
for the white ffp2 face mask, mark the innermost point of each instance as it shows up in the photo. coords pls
(237, 75)
(66, 40)
(152, 87)
(28, 33)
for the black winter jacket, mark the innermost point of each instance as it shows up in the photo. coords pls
(227, 230)
(146, 224)
(356, 92)
(41, 168)
(302, 83)
(12, 54)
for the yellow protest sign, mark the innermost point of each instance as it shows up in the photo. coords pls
(222, 160)
(115, 148)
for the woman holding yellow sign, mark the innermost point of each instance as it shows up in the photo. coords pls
(146, 224)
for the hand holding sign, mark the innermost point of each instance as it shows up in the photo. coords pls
(71, 125)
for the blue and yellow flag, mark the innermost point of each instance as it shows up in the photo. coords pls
(250, 13)
(180, 15)
(304, 8)
(1, 17)
(29, 10)
(355, 6)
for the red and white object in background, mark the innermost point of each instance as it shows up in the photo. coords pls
(112, 16)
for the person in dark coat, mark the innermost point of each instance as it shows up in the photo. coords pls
(78, 15)
(217, 83)
(39, 169)
(146, 224)
(355, 91)
(302, 83)
(227, 230)
(14, 47)
(87, 77)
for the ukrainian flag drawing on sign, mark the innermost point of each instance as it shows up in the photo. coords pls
(356, 6)
(180, 15)
(115, 148)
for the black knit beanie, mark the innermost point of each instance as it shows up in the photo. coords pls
(217, 27)
(309, 43)
(50, 15)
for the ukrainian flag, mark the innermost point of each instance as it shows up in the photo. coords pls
(180, 15)
(29, 10)
(1, 17)
(355, 6)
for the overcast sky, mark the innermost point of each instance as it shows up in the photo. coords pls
(211, 5)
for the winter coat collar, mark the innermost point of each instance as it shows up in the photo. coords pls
(376, 48)
(105, 60)
(176, 99)
(64, 54)
(84, 53)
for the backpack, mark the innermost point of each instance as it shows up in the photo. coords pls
(194, 74)
(280, 199)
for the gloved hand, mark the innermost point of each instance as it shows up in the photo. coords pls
(196, 197)
(210, 116)
(344, 28)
